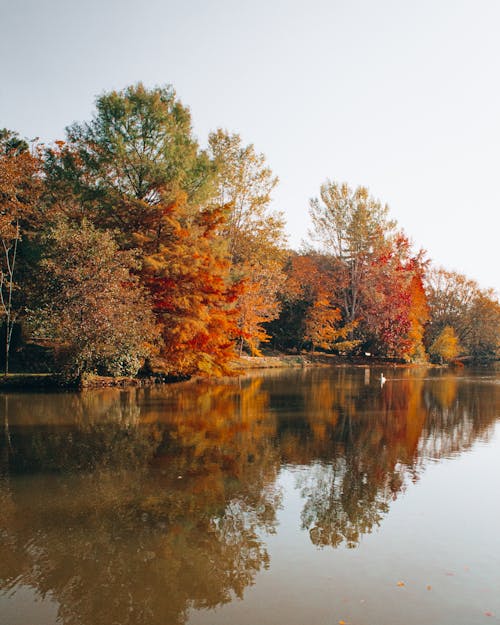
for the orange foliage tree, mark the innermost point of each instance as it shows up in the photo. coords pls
(19, 192)
(193, 298)
(137, 170)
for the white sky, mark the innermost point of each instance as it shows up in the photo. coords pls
(400, 96)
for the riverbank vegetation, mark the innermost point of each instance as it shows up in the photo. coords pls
(127, 248)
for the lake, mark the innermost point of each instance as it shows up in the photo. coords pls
(296, 497)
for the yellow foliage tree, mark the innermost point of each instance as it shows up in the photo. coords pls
(446, 346)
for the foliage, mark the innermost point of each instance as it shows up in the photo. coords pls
(352, 227)
(377, 284)
(91, 304)
(137, 152)
(446, 346)
(19, 193)
(127, 240)
(472, 312)
(254, 234)
(137, 169)
(188, 277)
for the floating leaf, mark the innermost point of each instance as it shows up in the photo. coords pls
(401, 583)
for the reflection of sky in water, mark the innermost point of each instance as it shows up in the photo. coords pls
(298, 497)
(441, 533)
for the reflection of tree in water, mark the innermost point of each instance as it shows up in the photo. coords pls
(340, 506)
(137, 523)
(135, 506)
(365, 444)
(458, 414)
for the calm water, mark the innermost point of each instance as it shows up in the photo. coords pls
(296, 498)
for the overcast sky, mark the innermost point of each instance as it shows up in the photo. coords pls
(400, 96)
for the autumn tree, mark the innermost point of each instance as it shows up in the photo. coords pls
(137, 153)
(137, 170)
(473, 313)
(187, 275)
(19, 192)
(446, 346)
(378, 275)
(90, 304)
(310, 316)
(254, 233)
(351, 226)
(394, 308)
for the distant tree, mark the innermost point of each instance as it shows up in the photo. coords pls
(394, 311)
(483, 341)
(377, 274)
(352, 227)
(473, 313)
(310, 316)
(446, 346)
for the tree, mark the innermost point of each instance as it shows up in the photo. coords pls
(192, 294)
(135, 155)
(394, 310)
(90, 304)
(310, 314)
(19, 192)
(254, 233)
(378, 276)
(472, 312)
(446, 346)
(137, 169)
(484, 338)
(352, 227)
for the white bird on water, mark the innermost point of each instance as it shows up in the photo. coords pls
(382, 379)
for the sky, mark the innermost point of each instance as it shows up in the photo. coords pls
(400, 96)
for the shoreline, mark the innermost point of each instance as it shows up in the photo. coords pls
(245, 364)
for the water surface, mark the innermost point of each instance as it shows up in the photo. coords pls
(299, 497)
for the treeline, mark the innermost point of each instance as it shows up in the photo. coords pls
(128, 247)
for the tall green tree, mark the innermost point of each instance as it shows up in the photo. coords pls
(136, 155)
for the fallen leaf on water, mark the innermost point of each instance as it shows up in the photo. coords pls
(488, 613)
(342, 623)
(429, 587)
(401, 583)
(449, 574)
